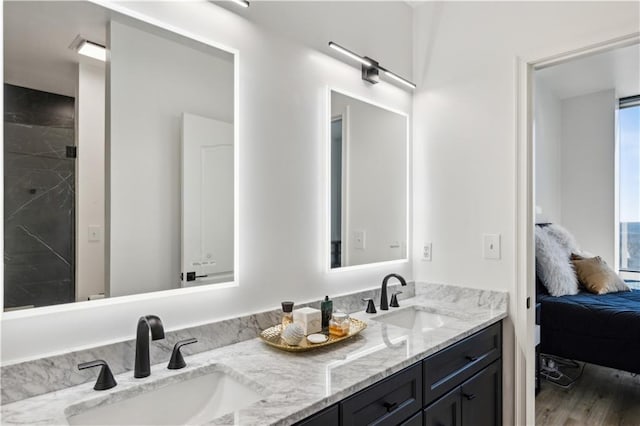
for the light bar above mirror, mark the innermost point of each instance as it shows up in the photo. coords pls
(370, 67)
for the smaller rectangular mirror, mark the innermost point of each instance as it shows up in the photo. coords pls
(368, 183)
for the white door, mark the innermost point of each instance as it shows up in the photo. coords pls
(207, 200)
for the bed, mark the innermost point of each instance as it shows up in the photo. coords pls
(598, 329)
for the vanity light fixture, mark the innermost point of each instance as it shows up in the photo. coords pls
(371, 68)
(89, 48)
(350, 54)
(399, 79)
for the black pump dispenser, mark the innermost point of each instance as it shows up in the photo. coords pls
(326, 309)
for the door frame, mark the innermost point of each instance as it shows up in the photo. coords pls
(524, 317)
(343, 117)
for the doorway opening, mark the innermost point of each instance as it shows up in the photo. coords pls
(582, 182)
(39, 206)
(336, 191)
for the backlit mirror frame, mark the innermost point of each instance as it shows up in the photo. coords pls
(122, 9)
(326, 257)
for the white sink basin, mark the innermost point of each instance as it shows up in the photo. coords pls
(414, 318)
(193, 398)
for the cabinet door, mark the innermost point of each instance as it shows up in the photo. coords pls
(446, 411)
(415, 420)
(482, 398)
(327, 417)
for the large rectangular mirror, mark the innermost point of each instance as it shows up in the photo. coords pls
(119, 166)
(368, 183)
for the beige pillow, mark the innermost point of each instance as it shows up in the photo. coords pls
(596, 276)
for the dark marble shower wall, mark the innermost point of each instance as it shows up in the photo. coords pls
(39, 198)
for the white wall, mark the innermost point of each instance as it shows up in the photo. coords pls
(575, 166)
(153, 80)
(375, 180)
(282, 124)
(464, 114)
(547, 139)
(90, 179)
(588, 171)
(465, 129)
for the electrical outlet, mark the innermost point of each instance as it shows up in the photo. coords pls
(491, 246)
(426, 251)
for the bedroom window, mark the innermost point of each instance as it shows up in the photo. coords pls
(629, 169)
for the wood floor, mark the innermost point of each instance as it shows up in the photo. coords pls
(602, 396)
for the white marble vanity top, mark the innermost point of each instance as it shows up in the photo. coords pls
(294, 385)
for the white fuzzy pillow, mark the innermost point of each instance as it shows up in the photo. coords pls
(564, 237)
(553, 265)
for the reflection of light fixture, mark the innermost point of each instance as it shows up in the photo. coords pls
(89, 48)
(370, 68)
(243, 3)
(93, 50)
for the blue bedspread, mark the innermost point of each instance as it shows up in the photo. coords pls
(599, 329)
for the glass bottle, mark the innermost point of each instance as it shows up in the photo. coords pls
(339, 324)
(287, 313)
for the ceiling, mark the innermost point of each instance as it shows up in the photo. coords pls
(37, 36)
(387, 34)
(617, 69)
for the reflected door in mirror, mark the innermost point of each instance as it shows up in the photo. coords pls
(207, 200)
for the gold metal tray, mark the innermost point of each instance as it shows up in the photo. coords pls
(271, 336)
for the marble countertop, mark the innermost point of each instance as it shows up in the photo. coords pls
(293, 385)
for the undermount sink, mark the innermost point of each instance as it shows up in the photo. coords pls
(413, 318)
(196, 399)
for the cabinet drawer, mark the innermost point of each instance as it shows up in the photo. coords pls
(451, 366)
(327, 417)
(388, 402)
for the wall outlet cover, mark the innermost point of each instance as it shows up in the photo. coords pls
(426, 251)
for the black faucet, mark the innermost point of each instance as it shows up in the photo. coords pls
(149, 322)
(384, 304)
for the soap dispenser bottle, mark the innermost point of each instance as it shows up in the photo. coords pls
(326, 309)
(287, 313)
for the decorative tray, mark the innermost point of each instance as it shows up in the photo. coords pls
(271, 336)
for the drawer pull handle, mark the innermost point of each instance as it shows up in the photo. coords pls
(471, 358)
(390, 406)
(469, 396)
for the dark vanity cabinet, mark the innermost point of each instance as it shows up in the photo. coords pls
(463, 383)
(460, 385)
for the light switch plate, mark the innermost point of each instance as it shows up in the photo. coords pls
(426, 251)
(359, 239)
(95, 233)
(491, 246)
